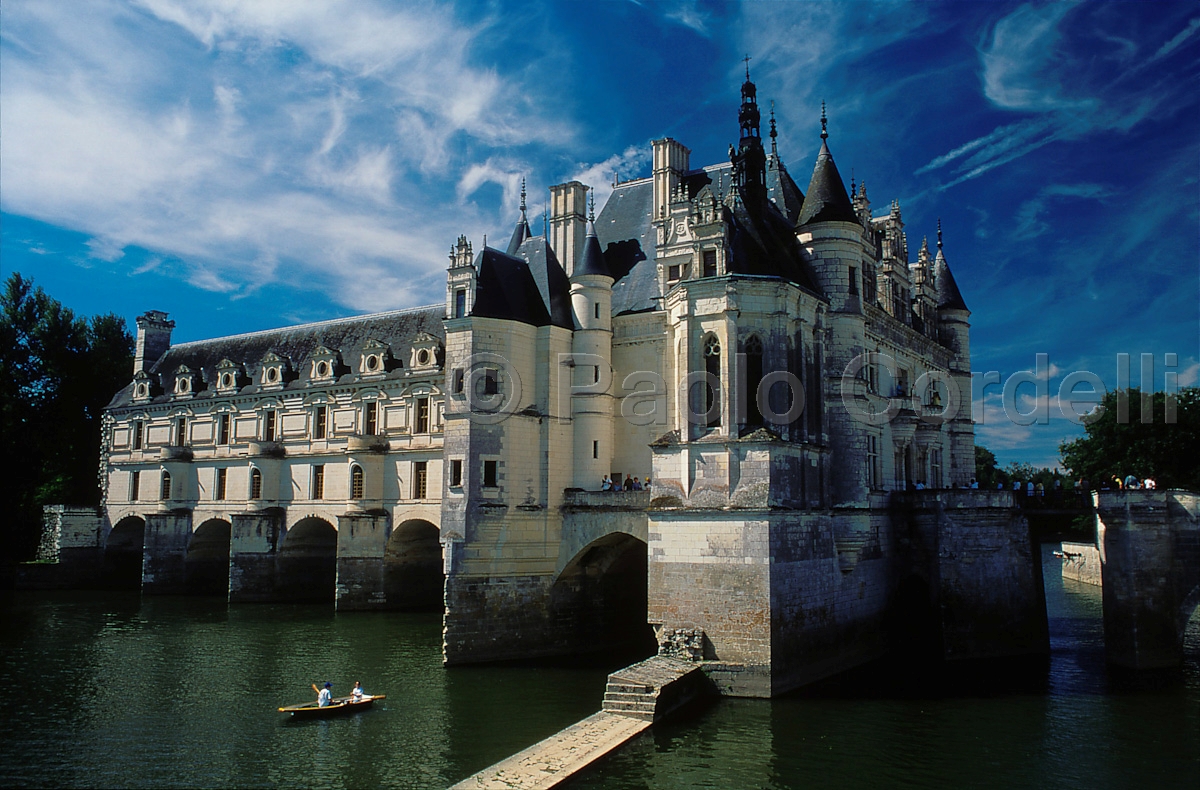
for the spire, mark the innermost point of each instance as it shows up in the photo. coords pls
(826, 199)
(521, 232)
(750, 162)
(591, 262)
(774, 134)
(948, 295)
(923, 255)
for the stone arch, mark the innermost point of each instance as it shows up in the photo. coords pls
(412, 567)
(206, 564)
(123, 550)
(307, 564)
(600, 596)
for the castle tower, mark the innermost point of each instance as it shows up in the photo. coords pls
(591, 347)
(460, 282)
(955, 329)
(750, 161)
(671, 160)
(830, 232)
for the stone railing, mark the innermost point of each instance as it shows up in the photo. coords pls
(266, 450)
(175, 452)
(623, 500)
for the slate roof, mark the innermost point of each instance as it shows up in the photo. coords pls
(592, 261)
(398, 329)
(529, 286)
(626, 234)
(827, 200)
(520, 233)
(782, 190)
(948, 295)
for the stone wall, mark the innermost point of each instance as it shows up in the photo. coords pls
(1149, 543)
(1081, 563)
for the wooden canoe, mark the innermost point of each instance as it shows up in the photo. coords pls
(337, 707)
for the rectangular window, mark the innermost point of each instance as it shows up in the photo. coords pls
(898, 476)
(255, 484)
(872, 378)
(935, 469)
(489, 474)
(321, 422)
(595, 449)
(318, 481)
(458, 381)
(420, 479)
(673, 273)
(269, 418)
(455, 473)
(422, 416)
(372, 418)
(164, 492)
(596, 374)
(223, 429)
(180, 431)
(853, 281)
(135, 479)
(460, 303)
(597, 309)
(491, 381)
(710, 263)
(139, 430)
(222, 478)
(872, 463)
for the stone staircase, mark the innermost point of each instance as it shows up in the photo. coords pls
(653, 688)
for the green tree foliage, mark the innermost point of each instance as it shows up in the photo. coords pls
(1125, 445)
(987, 471)
(57, 373)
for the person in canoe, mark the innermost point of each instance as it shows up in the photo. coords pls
(324, 695)
(358, 691)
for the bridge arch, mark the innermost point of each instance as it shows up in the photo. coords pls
(206, 564)
(307, 564)
(123, 550)
(601, 593)
(412, 567)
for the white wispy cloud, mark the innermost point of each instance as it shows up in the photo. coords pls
(1029, 217)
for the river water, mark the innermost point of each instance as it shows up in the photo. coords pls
(108, 690)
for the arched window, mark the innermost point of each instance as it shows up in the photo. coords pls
(255, 484)
(356, 482)
(712, 389)
(754, 375)
(164, 492)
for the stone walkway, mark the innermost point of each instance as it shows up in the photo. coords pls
(559, 757)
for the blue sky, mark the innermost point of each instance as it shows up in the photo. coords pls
(250, 165)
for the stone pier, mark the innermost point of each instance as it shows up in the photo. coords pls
(253, 551)
(1149, 544)
(360, 564)
(165, 546)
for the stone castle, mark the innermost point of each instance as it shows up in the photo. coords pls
(768, 357)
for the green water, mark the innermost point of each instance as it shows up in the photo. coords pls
(106, 690)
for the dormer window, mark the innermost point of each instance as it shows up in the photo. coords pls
(229, 377)
(426, 352)
(375, 358)
(185, 382)
(144, 387)
(324, 364)
(274, 371)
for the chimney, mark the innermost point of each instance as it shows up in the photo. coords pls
(153, 339)
(568, 222)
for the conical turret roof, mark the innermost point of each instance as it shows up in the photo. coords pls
(592, 260)
(948, 295)
(826, 199)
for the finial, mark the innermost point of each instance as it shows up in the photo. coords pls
(939, 234)
(851, 181)
(592, 208)
(747, 59)
(545, 223)
(824, 131)
(522, 195)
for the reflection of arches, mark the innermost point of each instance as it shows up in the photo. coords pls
(412, 567)
(308, 561)
(206, 564)
(602, 593)
(123, 553)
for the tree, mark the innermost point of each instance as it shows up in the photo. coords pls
(1119, 443)
(987, 470)
(57, 373)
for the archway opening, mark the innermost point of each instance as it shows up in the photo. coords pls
(600, 598)
(206, 565)
(412, 568)
(914, 628)
(307, 562)
(123, 554)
